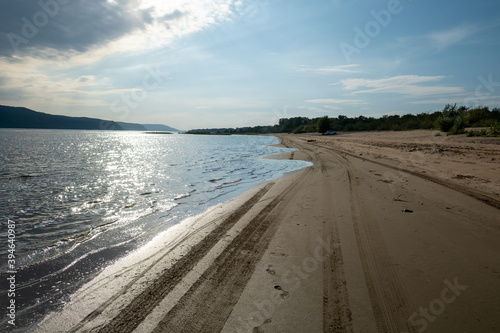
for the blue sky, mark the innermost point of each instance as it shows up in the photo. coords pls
(230, 63)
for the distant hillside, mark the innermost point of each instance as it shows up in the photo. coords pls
(19, 117)
(131, 126)
(159, 127)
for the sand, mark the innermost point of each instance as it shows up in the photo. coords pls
(386, 232)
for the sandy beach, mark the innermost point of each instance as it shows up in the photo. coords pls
(386, 232)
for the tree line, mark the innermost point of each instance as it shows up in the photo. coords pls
(452, 119)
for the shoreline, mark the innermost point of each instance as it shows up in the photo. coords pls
(145, 265)
(204, 237)
(347, 244)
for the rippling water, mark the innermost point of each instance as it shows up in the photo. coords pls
(82, 199)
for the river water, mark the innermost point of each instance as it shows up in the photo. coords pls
(80, 200)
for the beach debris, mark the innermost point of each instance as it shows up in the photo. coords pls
(311, 140)
(406, 210)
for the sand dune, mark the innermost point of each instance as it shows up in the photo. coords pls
(386, 232)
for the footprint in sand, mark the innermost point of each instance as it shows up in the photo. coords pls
(284, 293)
(270, 270)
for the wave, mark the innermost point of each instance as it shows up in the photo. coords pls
(182, 196)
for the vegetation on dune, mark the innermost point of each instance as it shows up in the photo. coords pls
(452, 120)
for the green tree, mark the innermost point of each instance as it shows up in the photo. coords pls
(323, 124)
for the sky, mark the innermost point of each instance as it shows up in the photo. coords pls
(232, 63)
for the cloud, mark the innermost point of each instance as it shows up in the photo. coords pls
(173, 16)
(351, 84)
(66, 56)
(28, 28)
(329, 69)
(402, 84)
(330, 104)
(336, 101)
(332, 107)
(176, 14)
(470, 99)
(311, 108)
(85, 78)
(446, 38)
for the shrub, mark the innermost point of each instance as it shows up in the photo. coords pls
(482, 132)
(444, 124)
(495, 129)
(323, 124)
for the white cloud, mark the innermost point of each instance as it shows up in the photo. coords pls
(165, 21)
(402, 84)
(48, 75)
(351, 84)
(336, 101)
(311, 108)
(470, 99)
(445, 38)
(171, 20)
(436, 101)
(329, 69)
(332, 107)
(330, 104)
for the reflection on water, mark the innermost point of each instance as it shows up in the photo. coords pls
(81, 199)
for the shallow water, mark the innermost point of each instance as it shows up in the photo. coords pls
(80, 200)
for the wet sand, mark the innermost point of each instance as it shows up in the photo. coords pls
(386, 232)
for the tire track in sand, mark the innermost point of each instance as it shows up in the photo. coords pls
(337, 315)
(135, 312)
(209, 302)
(477, 194)
(389, 302)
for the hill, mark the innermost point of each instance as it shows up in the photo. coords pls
(159, 127)
(131, 126)
(20, 117)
